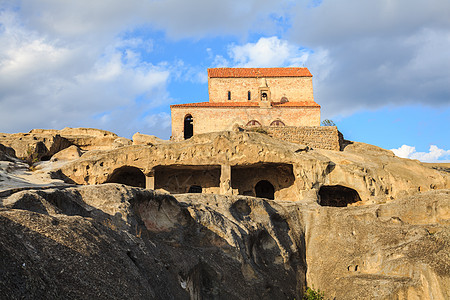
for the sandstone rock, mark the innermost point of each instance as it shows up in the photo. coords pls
(145, 139)
(7, 153)
(83, 241)
(70, 153)
(121, 142)
(35, 146)
(296, 172)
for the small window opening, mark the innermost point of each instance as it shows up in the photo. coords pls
(264, 96)
(284, 100)
(195, 189)
(229, 95)
(249, 95)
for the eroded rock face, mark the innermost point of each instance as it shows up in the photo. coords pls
(296, 172)
(35, 146)
(156, 246)
(114, 241)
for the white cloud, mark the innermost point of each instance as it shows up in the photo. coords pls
(379, 52)
(267, 52)
(435, 154)
(52, 83)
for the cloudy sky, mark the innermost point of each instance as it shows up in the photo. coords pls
(381, 67)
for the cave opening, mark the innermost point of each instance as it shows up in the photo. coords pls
(127, 175)
(337, 196)
(195, 189)
(264, 189)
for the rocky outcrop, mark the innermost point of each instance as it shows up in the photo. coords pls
(70, 153)
(88, 138)
(112, 241)
(42, 144)
(145, 139)
(377, 175)
(7, 153)
(34, 146)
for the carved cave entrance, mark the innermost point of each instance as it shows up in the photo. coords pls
(177, 179)
(188, 127)
(337, 196)
(264, 180)
(127, 175)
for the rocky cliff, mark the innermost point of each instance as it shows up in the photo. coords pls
(356, 224)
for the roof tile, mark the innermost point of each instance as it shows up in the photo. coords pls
(258, 72)
(247, 104)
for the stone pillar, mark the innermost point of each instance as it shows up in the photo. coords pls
(150, 181)
(225, 180)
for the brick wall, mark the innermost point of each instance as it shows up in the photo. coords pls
(213, 119)
(323, 137)
(293, 88)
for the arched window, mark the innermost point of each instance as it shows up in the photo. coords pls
(188, 127)
(264, 189)
(277, 123)
(229, 95)
(263, 96)
(284, 100)
(249, 95)
(253, 123)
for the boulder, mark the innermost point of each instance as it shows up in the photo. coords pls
(35, 146)
(70, 153)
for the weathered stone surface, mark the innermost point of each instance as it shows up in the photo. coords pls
(35, 146)
(70, 153)
(7, 153)
(377, 175)
(144, 245)
(88, 138)
(145, 139)
(113, 241)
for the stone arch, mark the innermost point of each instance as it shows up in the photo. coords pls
(253, 123)
(264, 189)
(277, 123)
(188, 126)
(337, 195)
(127, 175)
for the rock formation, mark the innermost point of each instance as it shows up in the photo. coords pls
(356, 224)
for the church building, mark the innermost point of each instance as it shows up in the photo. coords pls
(249, 97)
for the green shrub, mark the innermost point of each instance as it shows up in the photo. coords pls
(311, 294)
(327, 122)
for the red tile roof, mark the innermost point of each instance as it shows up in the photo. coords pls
(247, 104)
(258, 72)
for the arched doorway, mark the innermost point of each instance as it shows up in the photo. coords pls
(188, 127)
(264, 189)
(131, 176)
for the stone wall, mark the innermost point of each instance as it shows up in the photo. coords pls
(323, 137)
(294, 88)
(214, 119)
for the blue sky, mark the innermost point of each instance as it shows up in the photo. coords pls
(381, 68)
